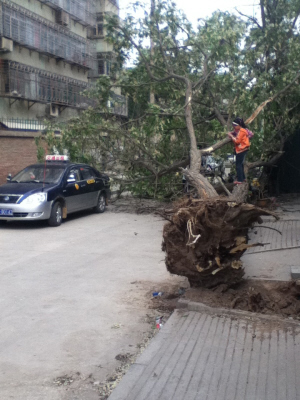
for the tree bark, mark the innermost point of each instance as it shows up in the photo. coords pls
(204, 188)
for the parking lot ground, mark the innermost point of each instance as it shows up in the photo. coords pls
(72, 298)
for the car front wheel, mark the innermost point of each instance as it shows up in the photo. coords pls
(101, 204)
(56, 215)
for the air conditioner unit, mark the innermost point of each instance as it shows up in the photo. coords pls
(6, 45)
(53, 110)
(62, 18)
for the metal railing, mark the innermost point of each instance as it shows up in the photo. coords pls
(25, 82)
(34, 32)
(81, 10)
(22, 124)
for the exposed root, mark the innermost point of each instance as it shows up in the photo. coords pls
(205, 239)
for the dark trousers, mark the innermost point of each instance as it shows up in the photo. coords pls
(239, 163)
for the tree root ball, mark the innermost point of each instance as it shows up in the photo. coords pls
(205, 239)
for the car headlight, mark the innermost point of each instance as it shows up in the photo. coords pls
(35, 199)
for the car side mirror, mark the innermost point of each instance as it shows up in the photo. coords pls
(71, 179)
(8, 177)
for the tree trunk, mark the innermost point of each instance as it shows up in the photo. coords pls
(204, 188)
(152, 11)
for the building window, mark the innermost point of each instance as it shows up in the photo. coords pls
(101, 67)
(100, 21)
(100, 29)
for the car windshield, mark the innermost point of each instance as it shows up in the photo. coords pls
(39, 174)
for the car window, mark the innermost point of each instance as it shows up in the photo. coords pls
(87, 173)
(74, 172)
(39, 173)
(53, 175)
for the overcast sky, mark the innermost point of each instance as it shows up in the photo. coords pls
(195, 9)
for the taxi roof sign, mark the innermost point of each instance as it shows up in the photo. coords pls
(57, 158)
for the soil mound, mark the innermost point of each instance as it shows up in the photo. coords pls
(265, 297)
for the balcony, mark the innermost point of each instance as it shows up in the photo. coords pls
(36, 33)
(23, 82)
(17, 124)
(82, 11)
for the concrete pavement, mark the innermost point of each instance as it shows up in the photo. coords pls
(74, 297)
(210, 354)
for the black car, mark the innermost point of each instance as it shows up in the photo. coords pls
(52, 190)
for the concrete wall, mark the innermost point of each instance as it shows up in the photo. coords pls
(102, 46)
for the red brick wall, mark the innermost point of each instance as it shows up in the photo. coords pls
(15, 154)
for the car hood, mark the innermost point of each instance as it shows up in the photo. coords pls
(24, 188)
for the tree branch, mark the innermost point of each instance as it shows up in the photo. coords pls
(174, 167)
(262, 106)
(220, 117)
(216, 146)
(261, 163)
(251, 19)
(202, 80)
(262, 10)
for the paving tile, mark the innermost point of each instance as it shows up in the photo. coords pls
(210, 356)
(277, 235)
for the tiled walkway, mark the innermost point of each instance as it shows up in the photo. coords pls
(282, 234)
(215, 356)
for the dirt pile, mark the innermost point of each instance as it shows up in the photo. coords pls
(265, 297)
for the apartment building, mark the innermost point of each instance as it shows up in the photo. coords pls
(50, 52)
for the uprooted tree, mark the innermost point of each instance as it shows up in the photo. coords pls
(197, 81)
